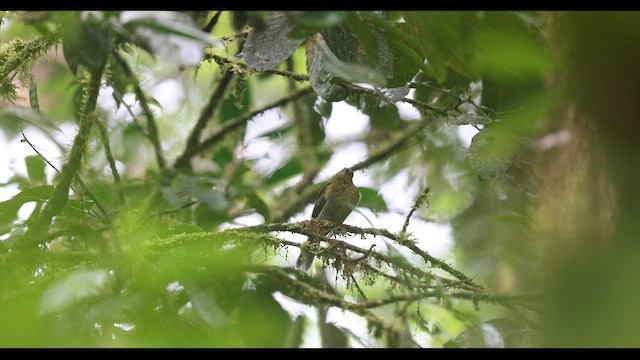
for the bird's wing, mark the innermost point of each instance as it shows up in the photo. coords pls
(321, 201)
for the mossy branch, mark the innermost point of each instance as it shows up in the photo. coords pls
(71, 168)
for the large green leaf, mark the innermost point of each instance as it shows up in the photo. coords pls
(173, 36)
(307, 23)
(445, 40)
(82, 31)
(35, 168)
(267, 48)
(15, 114)
(371, 199)
(324, 66)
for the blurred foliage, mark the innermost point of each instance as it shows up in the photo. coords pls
(140, 253)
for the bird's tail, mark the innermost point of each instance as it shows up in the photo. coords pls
(305, 260)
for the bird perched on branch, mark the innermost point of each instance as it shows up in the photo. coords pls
(334, 202)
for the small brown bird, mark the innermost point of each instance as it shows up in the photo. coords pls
(334, 202)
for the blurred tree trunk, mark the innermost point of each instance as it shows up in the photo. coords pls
(587, 171)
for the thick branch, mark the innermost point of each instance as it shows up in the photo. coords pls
(70, 169)
(305, 229)
(313, 296)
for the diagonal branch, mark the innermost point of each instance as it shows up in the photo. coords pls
(152, 128)
(314, 296)
(381, 152)
(235, 124)
(416, 204)
(84, 187)
(112, 163)
(70, 169)
(207, 113)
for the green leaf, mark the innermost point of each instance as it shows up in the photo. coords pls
(9, 211)
(382, 118)
(308, 23)
(268, 48)
(237, 104)
(213, 199)
(445, 40)
(371, 199)
(323, 66)
(293, 167)
(256, 202)
(35, 168)
(166, 22)
(408, 59)
(30, 116)
(316, 125)
(206, 307)
(446, 204)
(491, 152)
(469, 119)
(290, 169)
(279, 132)
(507, 49)
(38, 193)
(72, 289)
(116, 79)
(319, 74)
(33, 94)
(513, 219)
(361, 42)
(172, 36)
(82, 31)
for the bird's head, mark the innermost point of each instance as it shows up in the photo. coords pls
(346, 172)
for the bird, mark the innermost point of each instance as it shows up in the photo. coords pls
(334, 202)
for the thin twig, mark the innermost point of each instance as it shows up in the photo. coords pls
(207, 113)
(176, 209)
(84, 187)
(416, 204)
(384, 150)
(152, 128)
(362, 295)
(288, 74)
(117, 94)
(234, 124)
(112, 163)
(214, 20)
